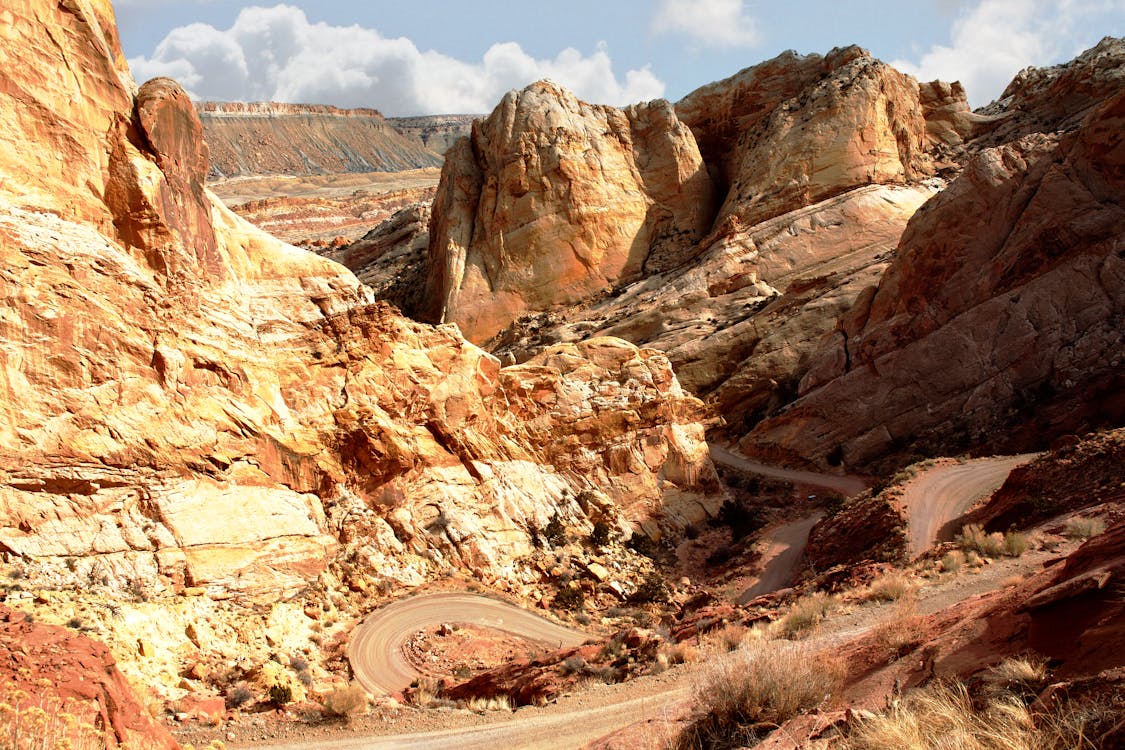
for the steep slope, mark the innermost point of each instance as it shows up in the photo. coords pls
(265, 138)
(999, 321)
(189, 406)
(438, 133)
(553, 200)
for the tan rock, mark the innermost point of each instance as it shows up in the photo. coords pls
(997, 322)
(554, 200)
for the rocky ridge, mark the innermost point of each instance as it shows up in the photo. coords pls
(436, 132)
(807, 221)
(197, 412)
(263, 138)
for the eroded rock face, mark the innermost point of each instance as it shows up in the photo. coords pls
(554, 200)
(861, 123)
(187, 402)
(63, 672)
(998, 321)
(264, 138)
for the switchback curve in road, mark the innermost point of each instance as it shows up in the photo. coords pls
(786, 545)
(376, 646)
(941, 494)
(836, 482)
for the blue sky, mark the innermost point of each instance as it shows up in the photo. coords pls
(427, 57)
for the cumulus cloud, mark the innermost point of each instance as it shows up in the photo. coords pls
(711, 23)
(992, 40)
(276, 54)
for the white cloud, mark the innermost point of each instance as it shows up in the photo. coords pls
(992, 40)
(709, 23)
(276, 54)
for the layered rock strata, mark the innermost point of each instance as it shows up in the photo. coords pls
(997, 323)
(189, 403)
(264, 138)
(553, 200)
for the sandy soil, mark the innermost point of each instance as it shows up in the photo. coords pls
(239, 190)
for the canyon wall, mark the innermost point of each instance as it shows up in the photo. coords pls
(267, 138)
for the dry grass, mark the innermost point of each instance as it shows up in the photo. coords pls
(45, 723)
(755, 688)
(1011, 581)
(495, 703)
(1015, 544)
(891, 588)
(1018, 673)
(899, 635)
(727, 638)
(1081, 527)
(952, 561)
(679, 653)
(942, 716)
(346, 700)
(805, 614)
(975, 539)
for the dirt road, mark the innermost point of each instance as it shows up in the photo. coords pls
(787, 543)
(937, 497)
(375, 650)
(838, 483)
(549, 731)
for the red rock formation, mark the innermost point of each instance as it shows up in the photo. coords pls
(998, 322)
(63, 672)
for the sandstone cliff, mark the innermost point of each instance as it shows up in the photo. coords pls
(997, 324)
(554, 200)
(188, 402)
(264, 138)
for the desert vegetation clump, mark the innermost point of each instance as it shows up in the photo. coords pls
(237, 696)
(805, 614)
(570, 597)
(738, 516)
(601, 534)
(651, 589)
(929, 718)
(554, 533)
(1081, 527)
(1015, 543)
(748, 692)
(41, 723)
(345, 700)
(891, 588)
(974, 538)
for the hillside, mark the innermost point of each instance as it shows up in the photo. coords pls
(266, 138)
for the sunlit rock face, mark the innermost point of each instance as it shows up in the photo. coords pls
(553, 200)
(186, 401)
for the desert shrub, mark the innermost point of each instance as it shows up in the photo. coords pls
(305, 678)
(1022, 676)
(570, 597)
(494, 703)
(691, 531)
(900, 634)
(727, 638)
(573, 665)
(75, 623)
(30, 722)
(554, 532)
(346, 700)
(280, 694)
(601, 533)
(891, 588)
(1081, 527)
(534, 534)
(928, 719)
(805, 614)
(1015, 544)
(651, 589)
(973, 537)
(237, 696)
(763, 683)
(298, 663)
